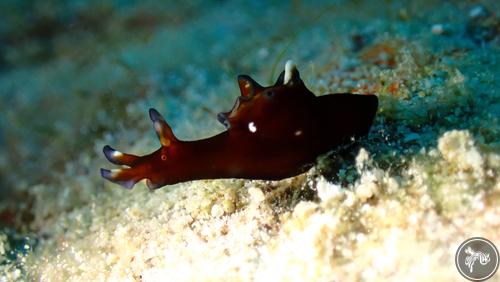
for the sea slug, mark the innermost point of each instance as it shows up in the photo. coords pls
(272, 133)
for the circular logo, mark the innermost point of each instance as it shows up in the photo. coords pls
(477, 259)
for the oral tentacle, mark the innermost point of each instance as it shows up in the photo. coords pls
(117, 157)
(122, 177)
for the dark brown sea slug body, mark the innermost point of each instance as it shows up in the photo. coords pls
(272, 133)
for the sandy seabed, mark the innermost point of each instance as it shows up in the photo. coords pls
(74, 77)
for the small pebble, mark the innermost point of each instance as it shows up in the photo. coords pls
(437, 29)
(216, 211)
(256, 194)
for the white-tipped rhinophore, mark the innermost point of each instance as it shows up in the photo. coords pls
(289, 68)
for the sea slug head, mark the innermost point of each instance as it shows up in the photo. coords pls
(150, 167)
(267, 106)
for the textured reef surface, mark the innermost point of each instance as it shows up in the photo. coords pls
(395, 206)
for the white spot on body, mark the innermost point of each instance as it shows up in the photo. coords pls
(252, 127)
(298, 132)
